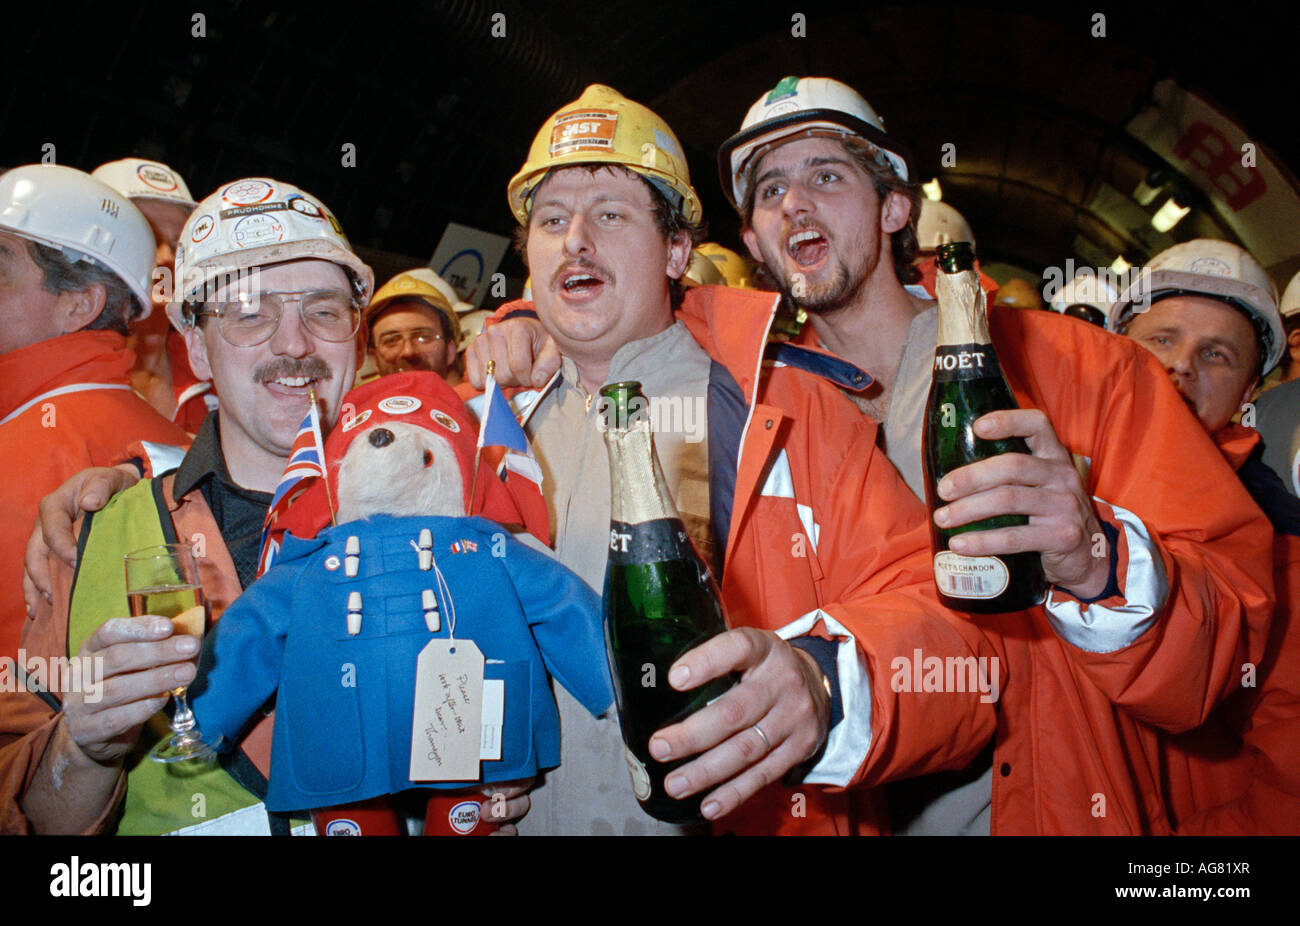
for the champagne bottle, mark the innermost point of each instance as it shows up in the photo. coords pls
(968, 383)
(660, 601)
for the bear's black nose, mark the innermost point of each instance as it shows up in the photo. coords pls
(381, 437)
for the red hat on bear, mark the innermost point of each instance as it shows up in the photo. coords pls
(420, 398)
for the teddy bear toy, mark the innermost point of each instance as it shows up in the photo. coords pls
(410, 645)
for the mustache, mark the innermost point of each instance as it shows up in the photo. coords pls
(585, 263)
(308, 367)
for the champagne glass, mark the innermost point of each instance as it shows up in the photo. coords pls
(164, 580)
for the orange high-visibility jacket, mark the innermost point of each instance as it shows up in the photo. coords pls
(1239, 772)
(65, 404)
(825, 538)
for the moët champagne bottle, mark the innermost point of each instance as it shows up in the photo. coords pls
(968, 383)
(660, 601)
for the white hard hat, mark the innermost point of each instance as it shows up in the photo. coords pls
(68, 209)
(471, 324)
(1290, 304)
(256, 222)
(804, 106)
(136, 178)
(1086, 289)
(1208, 267)
(939, 223)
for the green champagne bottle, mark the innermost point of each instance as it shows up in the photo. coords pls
(660, 601)
(967, 383)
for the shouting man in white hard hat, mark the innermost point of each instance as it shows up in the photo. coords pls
(776, 476)
(75, 260)
(1208, 312)
(268, 296)
(828, 200)
(162, 371)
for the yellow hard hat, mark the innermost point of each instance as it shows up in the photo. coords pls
(735, 270)
(604, 127)
(1020, 293)
(703, 272)
(412, 284)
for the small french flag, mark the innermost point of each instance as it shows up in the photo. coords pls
(499, 428)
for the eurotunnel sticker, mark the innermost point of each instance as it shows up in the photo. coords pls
(464, 817)
(247, 193)
(154, 176)
(399, 404)
(256, 230)
(587, 130)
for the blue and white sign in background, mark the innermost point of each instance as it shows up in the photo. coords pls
(466, 258)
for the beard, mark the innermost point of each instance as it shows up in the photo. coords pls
(840, 291)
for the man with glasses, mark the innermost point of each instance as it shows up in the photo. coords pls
(413, 326)
(269, 301)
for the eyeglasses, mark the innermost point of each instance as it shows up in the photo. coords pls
(393, 341)
(253, 318)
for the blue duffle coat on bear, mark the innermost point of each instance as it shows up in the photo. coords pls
(344, 709)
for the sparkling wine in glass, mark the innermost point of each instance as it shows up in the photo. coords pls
(164, 581)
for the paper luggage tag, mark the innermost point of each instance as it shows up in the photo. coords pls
(447, 728)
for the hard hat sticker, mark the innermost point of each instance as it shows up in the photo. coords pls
(203, 226)
(305, 207)
(237, 211)
(399, 404)
(588, 129)
(256, 230)
(247, 192)
(154, 176)
(1210, 266)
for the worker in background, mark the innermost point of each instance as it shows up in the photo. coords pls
(162, 371)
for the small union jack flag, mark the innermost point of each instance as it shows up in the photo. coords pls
(464, 546)
(306, 459)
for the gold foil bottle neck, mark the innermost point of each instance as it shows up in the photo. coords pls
(638, 490)
(963, 317)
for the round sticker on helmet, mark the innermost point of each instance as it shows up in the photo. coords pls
(354, 420)
(247, 193)
(156, 177)
(256, 230)
(399, 404)
(445, 420)
(201, 228)
(305, 207)
(1210, 266)
(342, 827)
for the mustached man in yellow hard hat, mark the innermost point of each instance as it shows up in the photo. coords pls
(413, 326)
(765, 455)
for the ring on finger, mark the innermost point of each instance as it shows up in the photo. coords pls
(767, 745)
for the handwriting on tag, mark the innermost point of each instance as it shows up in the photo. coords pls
(447, 728)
